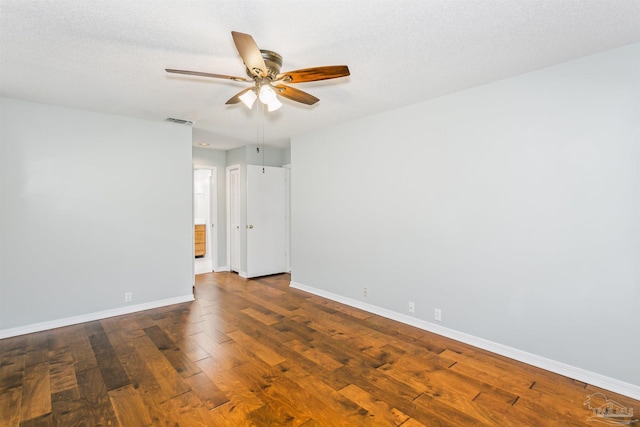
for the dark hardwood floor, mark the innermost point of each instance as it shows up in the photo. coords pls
(256, 352)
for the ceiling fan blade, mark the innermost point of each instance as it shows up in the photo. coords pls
(236, 98)
(296, 95)
(251, 56)
(201, 74)
(314, 74)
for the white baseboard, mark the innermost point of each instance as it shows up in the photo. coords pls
(202, 268)
(579, 374)
(221, 268)
(59, 323)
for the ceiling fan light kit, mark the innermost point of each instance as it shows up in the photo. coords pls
(248, 98)
(267, 94)
(263, 69)
(274, 105)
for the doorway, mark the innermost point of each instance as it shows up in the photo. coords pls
(205, 219)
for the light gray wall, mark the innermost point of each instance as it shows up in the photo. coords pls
(514, 207)
(267, 156)
(237, 156)
(93, 206)
(218, 159)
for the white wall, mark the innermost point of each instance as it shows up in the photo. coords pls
(93, 206)
(513, 207)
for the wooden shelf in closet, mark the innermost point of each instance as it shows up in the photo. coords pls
(200, 239)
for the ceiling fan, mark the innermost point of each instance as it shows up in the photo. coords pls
(263, 69)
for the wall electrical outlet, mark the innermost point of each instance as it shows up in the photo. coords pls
(437, 314)
(365, 292)
(412, 307)
(127, 297)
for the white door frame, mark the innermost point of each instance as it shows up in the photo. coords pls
(228, 206)
(212, 232)
(287, 211)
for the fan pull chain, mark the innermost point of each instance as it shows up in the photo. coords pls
(263, 139)
(261, 129)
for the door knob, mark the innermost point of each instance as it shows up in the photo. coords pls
(249, 226)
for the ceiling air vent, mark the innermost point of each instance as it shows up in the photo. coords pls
(180, 121)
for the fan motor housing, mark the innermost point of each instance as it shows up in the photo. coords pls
(273, 62)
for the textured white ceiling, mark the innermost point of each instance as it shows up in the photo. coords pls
(110, 55)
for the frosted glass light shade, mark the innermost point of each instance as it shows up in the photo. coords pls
(267, 94)
(274, 105)
(248, 98)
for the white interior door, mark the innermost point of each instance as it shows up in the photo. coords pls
(234, 220)
(266, 232)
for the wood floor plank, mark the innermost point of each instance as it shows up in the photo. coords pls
(129, 407)
(254, 352)
(257, 348)
(331, 338)
(206, 390)
(268, 318)
(412, 423)
(170, 382)
(242, 400)
(188, 410)
(176, 357)
(274, 414)
(377, 382)
(224, 354)
(459, 403)
(433, 411)
(10, 402)
(62, 337)
(37, 348)
(81, 350)
(68, 408)
(62, 370)
(379, 409)
(45, 420)
(297, 361)
(216, 330)
(147, 387)
(36, 392)
(314, 354)
(96, 406)
(289, 402)
(218, 325)
(12, 365)
(122, 340)
(418, 380)
(277, 305)
(113, 373)
(326, 405)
